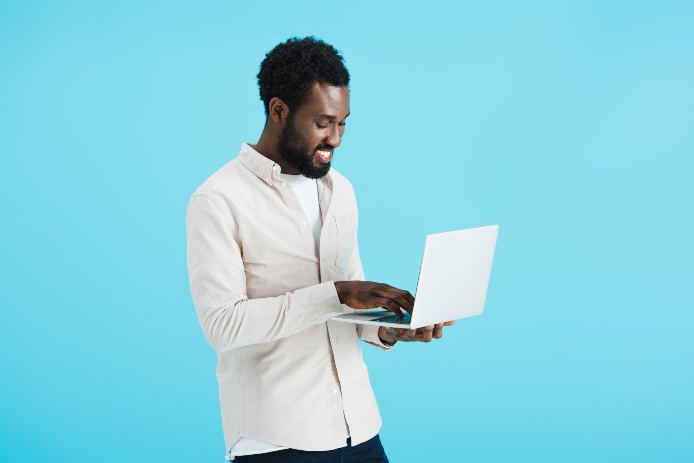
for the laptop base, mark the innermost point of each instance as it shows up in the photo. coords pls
(379, 317)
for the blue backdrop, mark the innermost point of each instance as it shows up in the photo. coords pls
(570, 124)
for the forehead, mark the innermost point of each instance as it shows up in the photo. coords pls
(326, 99)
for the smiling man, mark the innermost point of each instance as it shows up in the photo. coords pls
(272, 256)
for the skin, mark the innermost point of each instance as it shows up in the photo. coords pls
(321, 122)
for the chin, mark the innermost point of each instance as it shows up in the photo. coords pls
(316, 172)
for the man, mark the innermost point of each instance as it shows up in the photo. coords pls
(272, 256)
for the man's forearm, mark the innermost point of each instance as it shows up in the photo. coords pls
(251, 321)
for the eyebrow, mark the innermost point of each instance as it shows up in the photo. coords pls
(332, 118)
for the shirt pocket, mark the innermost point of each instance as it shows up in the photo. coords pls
(346, 233)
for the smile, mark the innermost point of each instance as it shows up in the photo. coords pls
(324, 155)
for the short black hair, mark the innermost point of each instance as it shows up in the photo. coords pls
(291, 68)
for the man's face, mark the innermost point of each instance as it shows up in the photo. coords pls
(314, 130)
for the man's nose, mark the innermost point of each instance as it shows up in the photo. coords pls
(335, 137)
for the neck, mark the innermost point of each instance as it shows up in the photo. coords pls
(267, 146)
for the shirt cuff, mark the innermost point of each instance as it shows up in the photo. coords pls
(326, 300)
(369, 333)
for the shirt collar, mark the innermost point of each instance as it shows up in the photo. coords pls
(265, 169)
(262, 167)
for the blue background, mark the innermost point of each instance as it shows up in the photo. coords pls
(570, 124)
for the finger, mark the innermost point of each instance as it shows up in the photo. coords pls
(405, 302)
(411, 335)
(449, 323)
(401, 292)
(403, 334)
(398, 298)
(395, 334)
(426, 333)
(405, 299)
(438, 331)
(399, 333)
(390, 305)
(409, 297)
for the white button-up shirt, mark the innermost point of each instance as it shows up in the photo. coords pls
(287, 374)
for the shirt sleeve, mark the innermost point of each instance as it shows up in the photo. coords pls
(218, 287)
(367, 333)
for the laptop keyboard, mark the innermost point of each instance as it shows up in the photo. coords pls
(395, 319)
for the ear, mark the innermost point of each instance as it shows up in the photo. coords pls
(278, 110)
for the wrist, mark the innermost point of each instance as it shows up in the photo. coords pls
(338, 287)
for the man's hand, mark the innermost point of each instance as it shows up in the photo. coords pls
(424, 334)
(361, 295)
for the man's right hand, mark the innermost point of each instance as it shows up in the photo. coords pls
(361, 295)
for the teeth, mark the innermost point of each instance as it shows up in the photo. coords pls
(324, 154)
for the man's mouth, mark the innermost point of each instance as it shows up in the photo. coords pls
(324, 155)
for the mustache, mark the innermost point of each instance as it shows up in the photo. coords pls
(325, 148)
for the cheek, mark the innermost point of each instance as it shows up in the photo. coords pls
(314, 141)
(312, 136)
(316, 136)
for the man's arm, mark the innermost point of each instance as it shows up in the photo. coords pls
(218, 286)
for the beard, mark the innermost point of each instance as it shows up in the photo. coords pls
(296, 150)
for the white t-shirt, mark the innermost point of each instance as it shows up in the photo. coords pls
(306, 191)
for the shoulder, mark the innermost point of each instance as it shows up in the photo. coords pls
(223, 180)
(223, 191)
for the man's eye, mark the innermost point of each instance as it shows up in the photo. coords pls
(321, 126)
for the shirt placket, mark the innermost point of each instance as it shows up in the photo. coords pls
(325, 194)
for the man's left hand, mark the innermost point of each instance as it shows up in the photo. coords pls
(424, 334)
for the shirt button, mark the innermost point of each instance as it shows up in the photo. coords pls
(283, 183)
(334, 391)
(267, 179)
(303, 222)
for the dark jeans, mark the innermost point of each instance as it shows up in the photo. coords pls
(370, 451)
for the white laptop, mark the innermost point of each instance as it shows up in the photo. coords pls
(452, 284)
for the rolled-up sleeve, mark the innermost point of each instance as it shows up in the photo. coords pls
(228, 318)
